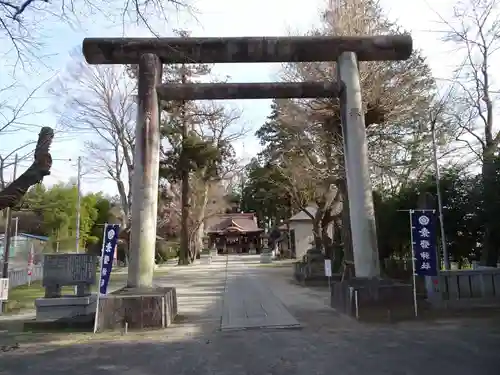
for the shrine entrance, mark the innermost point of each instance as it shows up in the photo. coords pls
(235, 233)
(151, 53)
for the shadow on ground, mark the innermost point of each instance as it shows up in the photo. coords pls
(456, 350)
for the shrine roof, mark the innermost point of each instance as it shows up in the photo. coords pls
(237, 222)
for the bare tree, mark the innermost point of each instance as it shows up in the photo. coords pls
(208, 159)
(22, 22)
(475, 32)
(98, 102)
(203, 207)
(397, 97)
(222, 130)
(15, 119)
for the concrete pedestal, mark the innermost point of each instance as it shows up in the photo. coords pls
(137, 308)
(373, 299)
(66, 307)
(172, 262)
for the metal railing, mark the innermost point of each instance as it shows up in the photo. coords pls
(19, 276)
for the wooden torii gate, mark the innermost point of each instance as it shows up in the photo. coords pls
(151, 53)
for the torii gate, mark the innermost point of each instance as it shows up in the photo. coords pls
(151, 53)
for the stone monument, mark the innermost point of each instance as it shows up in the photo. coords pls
(266, 256)
(213, 251)
(252, 250)
(59, 270)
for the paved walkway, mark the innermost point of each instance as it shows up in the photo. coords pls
(250, 303)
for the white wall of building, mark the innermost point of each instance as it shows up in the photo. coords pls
(301, 223)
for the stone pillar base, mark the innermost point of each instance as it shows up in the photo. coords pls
(137, 309)
(373, 299)
(68, 307)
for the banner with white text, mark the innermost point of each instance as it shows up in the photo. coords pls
(423, 227)
(110, 240)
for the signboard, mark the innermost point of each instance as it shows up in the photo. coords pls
(4, 289)
(423, 235)
(109, 242)
(69, 269)
(328, 267)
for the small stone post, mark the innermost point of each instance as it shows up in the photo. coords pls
(145, 177)
(362, 213)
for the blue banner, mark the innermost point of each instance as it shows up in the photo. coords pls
(423, 230)
(109, 242)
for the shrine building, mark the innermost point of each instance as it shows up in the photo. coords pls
(234, 233)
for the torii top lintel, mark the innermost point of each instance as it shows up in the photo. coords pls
(246, 49)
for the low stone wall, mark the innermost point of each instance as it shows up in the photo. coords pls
(137, 309)
(312, 274)
(373, 299)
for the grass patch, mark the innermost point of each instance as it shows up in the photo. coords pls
(24, 296)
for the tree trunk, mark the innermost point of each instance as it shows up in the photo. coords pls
(185, 191)
(200, 230)
(126, 249)
(491, 196)
(337, 245)
(123, 199)
(317, 231)
(347, 262)
(40, 168)
(327, 241)
(184, 246)
(192, 247)
(346, 224)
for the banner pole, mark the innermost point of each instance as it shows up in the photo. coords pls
(414, 259)
(96, 319)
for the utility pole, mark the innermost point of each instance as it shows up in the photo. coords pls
(5, 271)
(446, 259)
(6, 247)
(16, 227)
(78, 203)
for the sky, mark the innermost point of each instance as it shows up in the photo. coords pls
(212, 18)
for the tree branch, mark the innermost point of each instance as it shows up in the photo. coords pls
(40, 168)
